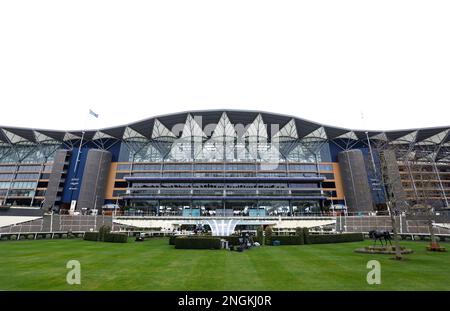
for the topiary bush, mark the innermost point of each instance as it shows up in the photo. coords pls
(48, 236)
(200, 242)
(64, 236)
(13, 237)
(172, 239)
(103, 231)
(30, 237)
(259, 236)
(268, 236)
(306, 236)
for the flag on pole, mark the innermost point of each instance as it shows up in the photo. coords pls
(93, 113)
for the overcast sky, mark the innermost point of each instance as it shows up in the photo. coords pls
(326, 61)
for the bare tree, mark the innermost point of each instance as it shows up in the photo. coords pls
(390, 181)
(425, 191)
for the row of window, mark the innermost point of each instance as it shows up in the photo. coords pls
(221, 174)
(221, 167)
(25, 168)
(23, 176)
(20, 193)
(175, 192)
(18, 185)
(227, 186)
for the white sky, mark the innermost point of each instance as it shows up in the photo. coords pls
(326, 61)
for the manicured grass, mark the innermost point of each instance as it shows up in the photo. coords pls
(154, 265)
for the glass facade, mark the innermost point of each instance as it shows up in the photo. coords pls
(247, 170)
(223, 162)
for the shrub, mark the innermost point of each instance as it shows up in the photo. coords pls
(201, 242)
(91, 236)
(22, 237)
(172, 239)
(306, 236)
(268, 236)
(13, 237)
(259, 236)
(64, 236)
(30, 237)
(115, 238)
(48, 236)
(335, 238)
(108, 237)
(104, 230)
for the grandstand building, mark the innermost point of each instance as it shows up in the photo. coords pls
(222, 163)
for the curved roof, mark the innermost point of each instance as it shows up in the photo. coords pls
(165, 123)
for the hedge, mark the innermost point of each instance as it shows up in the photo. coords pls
(289, 239)
(91, 236)
(172, 239)
(115, 238)
(232, 239)
(303, 237)
(268, 236)
(335, 238)
(306, 236)
(259, 236)
(202, 242)
(107, 237)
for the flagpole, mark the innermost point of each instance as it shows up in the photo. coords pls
(75, 179)
(92, 113)
(79, 152)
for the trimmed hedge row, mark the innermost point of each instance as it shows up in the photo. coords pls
(107, 237)
(233, 240)
(41, 236)
(115, 238)
(335, 238)
(319, 238)
(302, 236)
(91, 236)
(203, 242)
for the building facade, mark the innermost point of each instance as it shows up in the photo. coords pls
(223, 163)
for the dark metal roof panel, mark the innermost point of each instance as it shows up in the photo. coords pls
(28, 134)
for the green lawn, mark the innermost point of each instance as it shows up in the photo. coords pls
(154, 265)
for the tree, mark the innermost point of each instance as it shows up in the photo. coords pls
(390, 181)
(422, 175)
